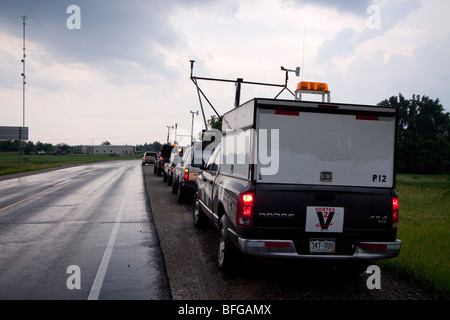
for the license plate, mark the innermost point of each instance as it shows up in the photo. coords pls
(322, 245)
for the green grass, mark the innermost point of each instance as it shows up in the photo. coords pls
(424, 230)
(9, 161)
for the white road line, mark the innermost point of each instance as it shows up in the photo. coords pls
(98, 282)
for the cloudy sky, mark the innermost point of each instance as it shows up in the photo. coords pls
(123, 76)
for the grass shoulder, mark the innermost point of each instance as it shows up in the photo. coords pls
(9, 163)
(424, 230)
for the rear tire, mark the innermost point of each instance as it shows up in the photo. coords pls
(228, 256)
(199, 218)
(174, 186)
(181, 193)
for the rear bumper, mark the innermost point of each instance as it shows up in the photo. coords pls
(286, 249)
(189, 184)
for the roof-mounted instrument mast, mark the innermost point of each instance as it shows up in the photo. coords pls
(238, 83)
(297, 73)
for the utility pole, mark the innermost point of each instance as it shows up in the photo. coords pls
(176, 135)
(168, 132)
(192, 126)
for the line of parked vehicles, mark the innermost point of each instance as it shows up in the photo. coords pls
(179, 166)
(308, 194)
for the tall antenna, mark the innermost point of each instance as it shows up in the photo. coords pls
(303, 55)
(24, 18)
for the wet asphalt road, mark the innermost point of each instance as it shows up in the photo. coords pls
(95, 217)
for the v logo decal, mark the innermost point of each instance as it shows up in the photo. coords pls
(322, 223)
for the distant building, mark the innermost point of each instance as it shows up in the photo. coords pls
(109, 150)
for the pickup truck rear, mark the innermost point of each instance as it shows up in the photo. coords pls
(302, 180)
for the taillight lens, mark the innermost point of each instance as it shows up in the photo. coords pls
(186, 174)
(395, 207)
(245, 209)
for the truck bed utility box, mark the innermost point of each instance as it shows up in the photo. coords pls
(315, 143)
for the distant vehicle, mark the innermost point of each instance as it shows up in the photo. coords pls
(164, 156)
(42, 152)
(186, 172)
(174, 159)
(149, 157)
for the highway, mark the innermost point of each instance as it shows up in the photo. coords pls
(84, 232)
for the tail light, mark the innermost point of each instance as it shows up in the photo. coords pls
(186, 174)
(395, 207)
(245, 209)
